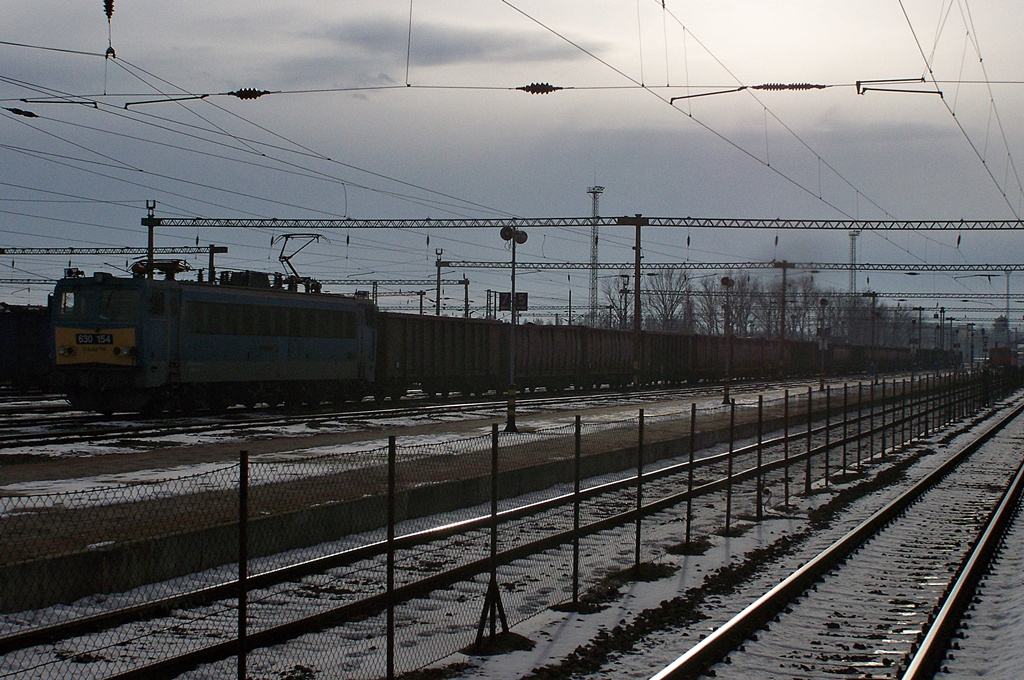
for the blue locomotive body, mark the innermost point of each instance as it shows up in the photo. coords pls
(140, 344)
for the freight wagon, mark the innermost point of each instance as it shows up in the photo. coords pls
(139, 344)
(25, 347)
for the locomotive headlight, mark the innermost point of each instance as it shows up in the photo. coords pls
(62, 350)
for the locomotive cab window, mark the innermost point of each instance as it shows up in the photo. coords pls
(71, 305)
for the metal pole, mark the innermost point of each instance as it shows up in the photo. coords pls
(846, 420)
(576, 516)
(828, 423)
(785, 448)
(689, 473)
(494, 522)
(639, 487)
(392, 470)
(637, 317)
(243, 559)
(727, 283)
(510, 422)
(810, 419)
(760, 443)
(821, 342)
(437, 308)
(728, 487)
(871, 422)
(860, 416)
(150, 226)
(882, 414)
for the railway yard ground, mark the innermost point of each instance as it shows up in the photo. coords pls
(634, 628)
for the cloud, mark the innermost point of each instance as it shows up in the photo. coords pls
(442, 45)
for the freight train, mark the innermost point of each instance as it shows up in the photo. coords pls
(145, 345)
(25, 362)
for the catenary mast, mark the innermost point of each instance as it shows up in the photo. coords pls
(595, 196)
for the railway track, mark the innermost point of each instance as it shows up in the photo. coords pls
(344, 585)
(59, 428)
(863, 606)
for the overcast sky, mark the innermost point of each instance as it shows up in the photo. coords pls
(409, 110)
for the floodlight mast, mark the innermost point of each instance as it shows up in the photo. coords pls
(595, 196)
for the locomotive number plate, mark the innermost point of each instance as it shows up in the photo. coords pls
(94, 339)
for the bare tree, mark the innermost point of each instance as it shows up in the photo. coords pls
(618, 297)
(708, 308)
(666, 300)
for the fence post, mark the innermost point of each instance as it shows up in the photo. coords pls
(860, 417)
(576, 517)
(760, 442)
(846, 418)
(689, 472)
(493, 606)
(810, 419)
(728, 474)
(929, 388)
(392, 473)
(639, 488)
(903, 413)
(828, 434)
(785, 448)
(243, 560)
(922, 407)
(882, 454)
(871, 422)
(895, 416)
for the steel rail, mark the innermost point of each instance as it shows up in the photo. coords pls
(726, 638)
(929, 656)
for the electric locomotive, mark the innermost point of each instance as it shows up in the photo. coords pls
(142, 344)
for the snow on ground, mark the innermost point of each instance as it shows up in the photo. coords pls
(294, 463)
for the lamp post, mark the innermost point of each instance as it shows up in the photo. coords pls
(624, 294)
(822, 341)
(873, 295)
(782, 314)
(920, 323)
(727, 283)
(941, 316)
(513, 236)
(970, 328)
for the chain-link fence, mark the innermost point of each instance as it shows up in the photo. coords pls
(378, 562)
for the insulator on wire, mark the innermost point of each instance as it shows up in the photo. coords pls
(22, 112)
(788, 86)
(249, 93)
(108, 8)
(539, 88)
(110, 54)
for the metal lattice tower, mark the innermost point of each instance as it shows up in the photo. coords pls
(595, 196)
(853, 259)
